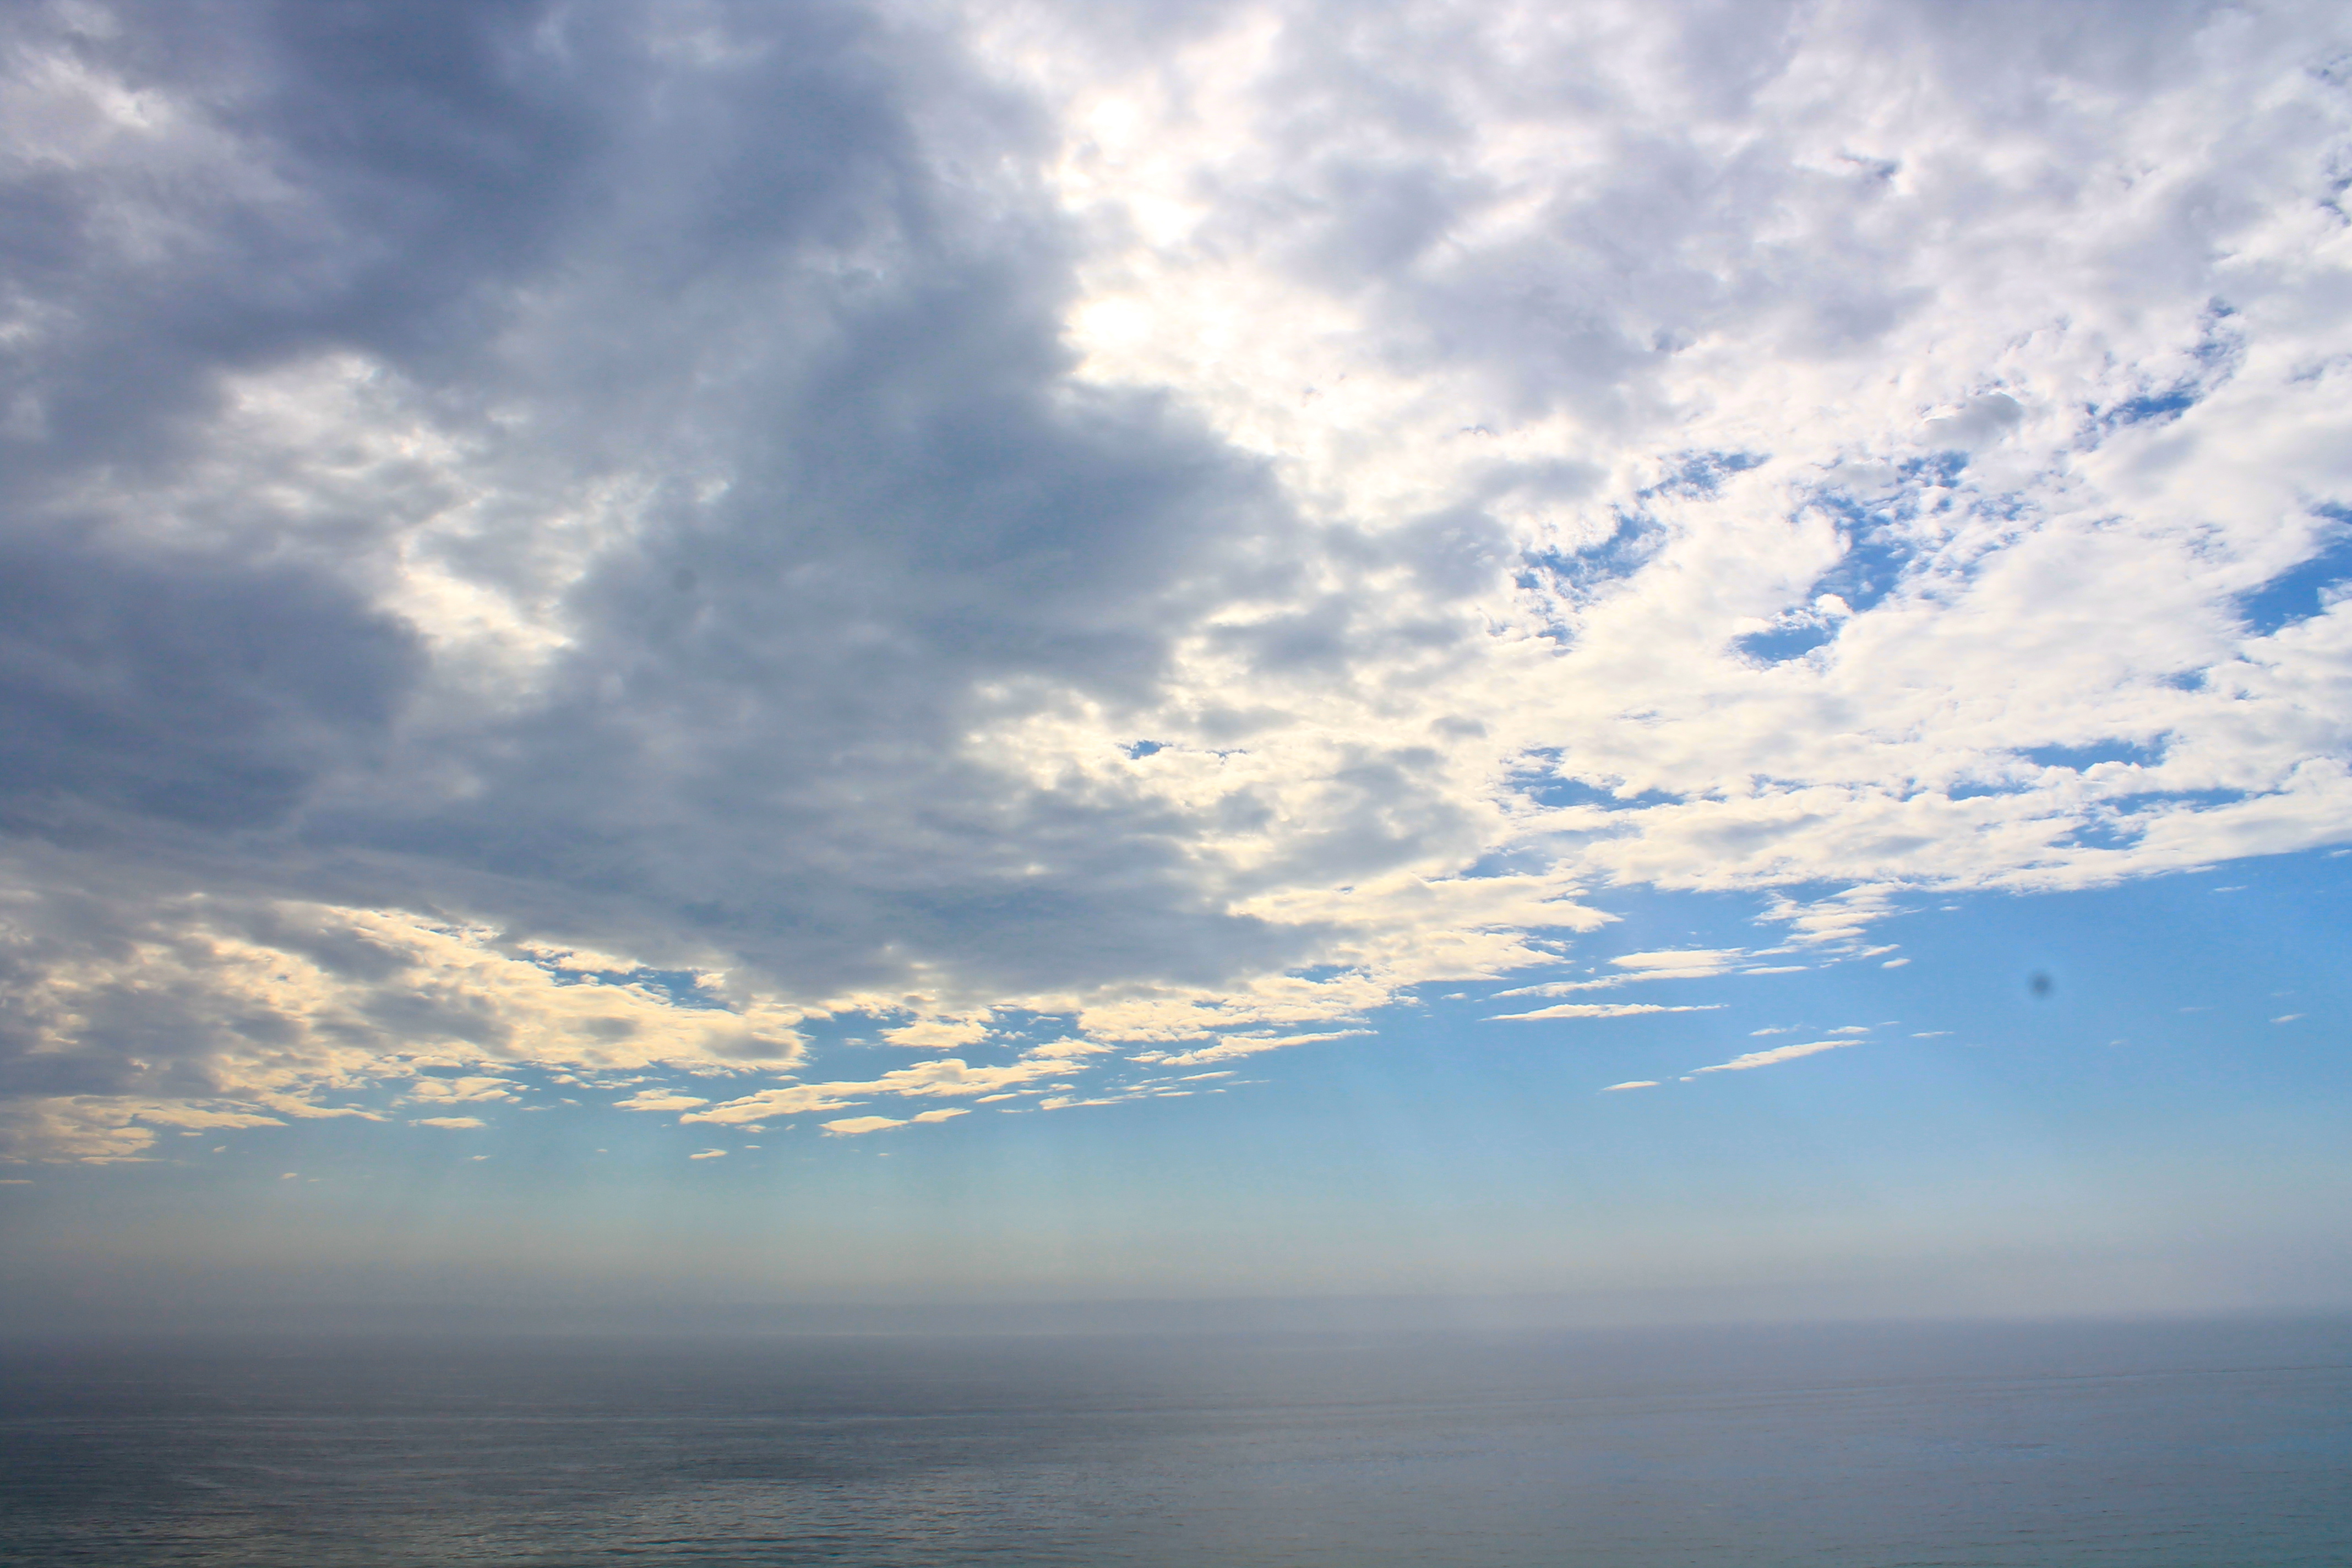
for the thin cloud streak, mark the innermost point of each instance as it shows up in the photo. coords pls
(1775, 1056)
(1599, 1010)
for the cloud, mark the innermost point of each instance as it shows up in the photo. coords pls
(1240, 1046)
(659, 1099)
(197, 1118)
(444, 1089)
(923, 520)
(1066, 1050)
(1690, 962)
(263, 1008)
(451, 1122)
(93, 1129)
(954, 1077)
(1598, 1010)
(791, 1100)
(1776, 1055)
(851, 1126)
(938, 1034)
(708, 1154)
(1696, 964)
(948, 1078)
(1636, 1083)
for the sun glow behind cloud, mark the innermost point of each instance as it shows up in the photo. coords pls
(1144, 550)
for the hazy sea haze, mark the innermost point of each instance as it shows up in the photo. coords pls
(2222, 1444)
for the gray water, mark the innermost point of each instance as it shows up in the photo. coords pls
(2227, 1445)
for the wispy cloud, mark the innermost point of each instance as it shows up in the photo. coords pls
(430, 1090)
(852, 1126)
(950, 1077)
(1775, 1056)
(1696, 964)
(660, 1100)
(1599, 1010)
(1236, 1046)
(938, 1034)
(1066, 1050)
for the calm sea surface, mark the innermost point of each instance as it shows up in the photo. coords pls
(2224, 1445)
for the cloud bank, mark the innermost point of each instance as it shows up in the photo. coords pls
(602, 537)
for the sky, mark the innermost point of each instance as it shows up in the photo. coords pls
(1671, 659)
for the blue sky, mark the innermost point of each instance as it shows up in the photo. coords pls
(967, 652)
(2158, 1131)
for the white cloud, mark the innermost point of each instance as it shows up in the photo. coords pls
(1776, 1055)
(90, 1128)
(660, 1100)
(1598, 1010)
(445, 1089)
(948, 1078)
(708, 1154)
(1694, 962)
(1635, 1083)
(279, 1004)
(1691, 964)
(939, 1034)
(851, 1126)
(1064, 1050)
(454, 1123)
(791, 1100)
(1234, 1046)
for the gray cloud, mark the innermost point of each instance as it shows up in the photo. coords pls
(203, 691)
(870, 517)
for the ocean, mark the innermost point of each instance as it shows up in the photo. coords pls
(2145, 1445)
